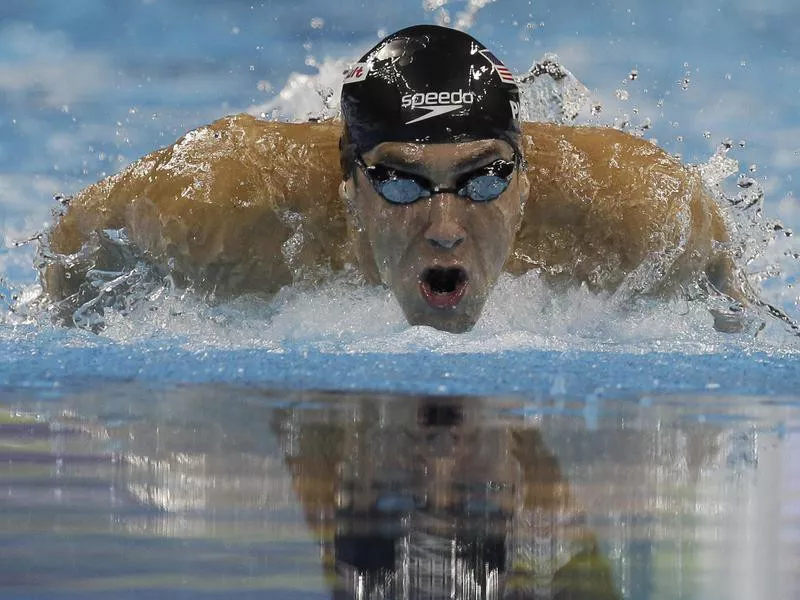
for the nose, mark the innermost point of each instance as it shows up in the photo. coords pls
(445, 229)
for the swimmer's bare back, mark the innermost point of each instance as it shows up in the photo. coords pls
(248, 206)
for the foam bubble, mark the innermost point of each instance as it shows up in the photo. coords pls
(344, 316)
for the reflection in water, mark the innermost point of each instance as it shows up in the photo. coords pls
(310, 495)
(433, 498)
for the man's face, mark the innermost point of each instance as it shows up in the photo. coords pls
(441, 254)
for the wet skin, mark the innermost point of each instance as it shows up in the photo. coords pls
(212, 210)
(440, 255)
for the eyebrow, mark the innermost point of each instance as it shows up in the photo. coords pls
(415, 166)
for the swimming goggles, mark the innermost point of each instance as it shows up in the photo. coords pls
(481, 185)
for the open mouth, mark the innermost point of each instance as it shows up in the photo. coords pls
(443, 287)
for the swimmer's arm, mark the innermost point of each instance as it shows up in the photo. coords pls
(604, 204)
(217, 206)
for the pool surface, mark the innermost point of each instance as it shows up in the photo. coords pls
(229, 491)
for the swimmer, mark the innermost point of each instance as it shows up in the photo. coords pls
(430, 185)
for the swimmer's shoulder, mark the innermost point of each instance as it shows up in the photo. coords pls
(552, 146)
(243, 142)
(236, 161)
(219, 204)
(616, 169)
(603, 201)
(246, 131)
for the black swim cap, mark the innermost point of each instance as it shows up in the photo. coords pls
(429, 84)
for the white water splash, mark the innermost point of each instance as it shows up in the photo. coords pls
(344, 316)
(762, 247)
(307, 97)
(464, 19)
(550, 93)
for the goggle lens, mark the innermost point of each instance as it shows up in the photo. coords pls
(400, 190)
(484, 188)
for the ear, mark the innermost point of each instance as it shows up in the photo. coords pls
(347, 191)
(524, 188)
(347, 194)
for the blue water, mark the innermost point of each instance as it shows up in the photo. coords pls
(47, 362)
(88, 86)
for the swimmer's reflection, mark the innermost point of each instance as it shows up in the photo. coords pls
(434, 498)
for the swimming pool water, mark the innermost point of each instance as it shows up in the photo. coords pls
(231, 491)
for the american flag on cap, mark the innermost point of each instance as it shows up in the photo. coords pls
(499, 67)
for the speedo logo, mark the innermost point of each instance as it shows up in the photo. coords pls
(436, 103)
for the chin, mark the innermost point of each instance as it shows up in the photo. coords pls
(451, 324)
(454, 320)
